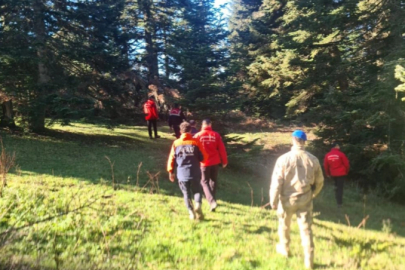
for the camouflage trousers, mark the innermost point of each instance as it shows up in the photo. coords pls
(302, 207)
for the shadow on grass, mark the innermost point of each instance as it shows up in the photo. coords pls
(79, 155)
(121, 140)
(322, 266)
(355, 211)
(82, 156)
(23, 266)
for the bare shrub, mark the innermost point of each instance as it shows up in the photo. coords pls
(153, 183)
(112, 172)
(7, 161)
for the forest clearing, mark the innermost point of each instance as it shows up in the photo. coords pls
(61, 210)
(312, 88)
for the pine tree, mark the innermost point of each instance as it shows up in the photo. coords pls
(253, 25)
(59, 57)
(199, 55)
(333, 63)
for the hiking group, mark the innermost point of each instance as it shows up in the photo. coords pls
(296, 180)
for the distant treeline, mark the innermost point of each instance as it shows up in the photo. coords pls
(74, 59)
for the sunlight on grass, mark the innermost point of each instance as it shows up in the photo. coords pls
(61, 211)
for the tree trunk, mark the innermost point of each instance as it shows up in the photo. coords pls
(167, 67)
(203, 16)
(342, 78)
(151, 50)
(7, 120)
(36, 115)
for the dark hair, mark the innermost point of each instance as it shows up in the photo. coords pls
(335, 143)
(151, 97)
(206, 122)
(185, 127)
(176, 105)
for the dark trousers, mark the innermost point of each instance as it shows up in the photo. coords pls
(339, 183)
(209, 177)
(189, 188)
(176, 131)
(154, 124)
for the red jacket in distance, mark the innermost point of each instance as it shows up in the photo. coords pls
(149, 108)
(213, 146)
(176, 117)
(336, 163)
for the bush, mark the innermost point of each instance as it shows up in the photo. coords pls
(386, 172)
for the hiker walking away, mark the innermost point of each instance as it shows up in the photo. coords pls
(337, 166)
(151, 116)
(186, 154)
(193, 125)
(297, 179)
(215, 149)
(176, 117)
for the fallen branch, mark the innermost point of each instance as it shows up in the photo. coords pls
(6, 163)
(137, 174)
(251, 194)
(347, 219)
(262, 197)
(13, 229)
(264, 206)
(363, 222)
(112, 171)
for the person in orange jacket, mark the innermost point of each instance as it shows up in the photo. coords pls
(187, 153)
(337, 166)
(215, 148)
(151, 116)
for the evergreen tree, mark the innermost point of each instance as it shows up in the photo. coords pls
(333, 63)
(199, 55)
(59, 57)
(257, 52)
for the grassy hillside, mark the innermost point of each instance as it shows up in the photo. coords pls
(61, 210)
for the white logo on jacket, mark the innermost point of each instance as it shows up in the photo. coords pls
(186, 151)
(175, 112)
(333, 157)
(207, 139)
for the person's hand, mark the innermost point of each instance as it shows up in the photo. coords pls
(224, 165)
(171, 177)
(274, 207)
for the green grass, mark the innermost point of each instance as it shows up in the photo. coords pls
(66, 214)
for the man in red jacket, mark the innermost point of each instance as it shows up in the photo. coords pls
(337, 166)
(151, 116)
(215, 149)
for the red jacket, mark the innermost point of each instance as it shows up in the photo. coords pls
(213, 146)
(149, 108)
(336, 163)
(176, 117)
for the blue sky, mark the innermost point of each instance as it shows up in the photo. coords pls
(220, 2)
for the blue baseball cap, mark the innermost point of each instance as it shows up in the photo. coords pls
(300, 134)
